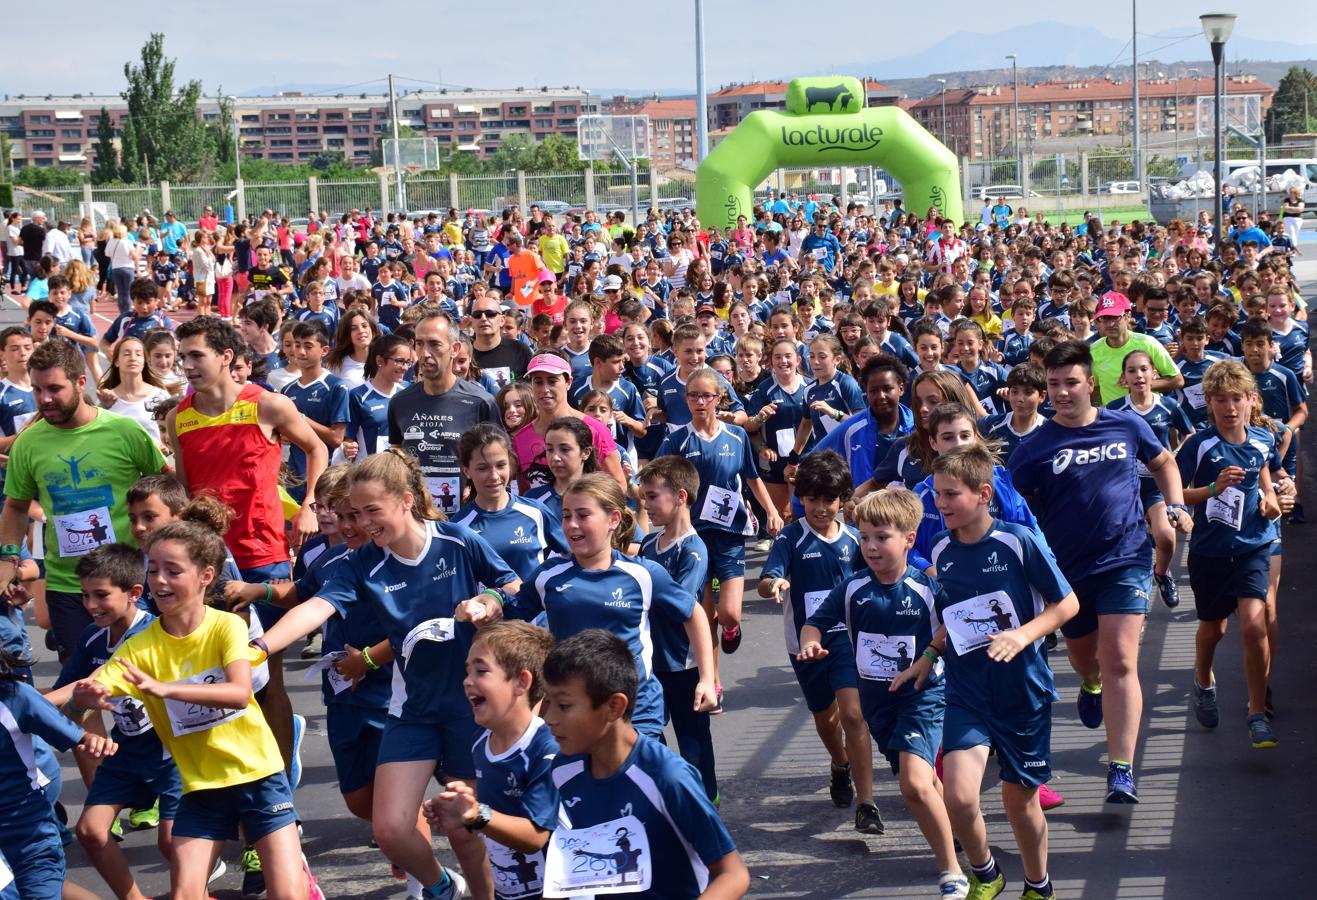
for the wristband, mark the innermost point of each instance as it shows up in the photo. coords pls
(370, 663)
(498, 594)
(259, 644)
(73, 707)
(1212, 489)
(10, 550)
(931, 655)
(269, 592)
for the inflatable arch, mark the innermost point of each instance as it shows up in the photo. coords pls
(826, 124)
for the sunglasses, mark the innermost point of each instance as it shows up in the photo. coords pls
(486, 314)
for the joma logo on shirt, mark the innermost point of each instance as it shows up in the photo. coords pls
(390, 588)
(1088, 455)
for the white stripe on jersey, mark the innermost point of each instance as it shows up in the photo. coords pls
(647, 786)
(23, 746)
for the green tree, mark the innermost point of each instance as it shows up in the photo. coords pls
(48, 177)
(167, 131)
(1293, 106)
(107, 156)
(132, 166)
(221, 130)
(6, 154)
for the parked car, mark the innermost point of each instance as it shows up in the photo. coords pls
(1122, 187)
(1009, 191)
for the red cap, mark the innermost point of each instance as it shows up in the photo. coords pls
(1113, 303)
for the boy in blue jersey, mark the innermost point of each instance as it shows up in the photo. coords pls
(1081, 478)
(1227, 472)
(141, 771)
(1026, 387)
(319, 396)
(669, 486)
(632, 815)
(141, 319)
(1016, 339)
(887, 616)
(1280, 390)
(607, 371)
(809, 558)
(514, 804)
(688, 348)
(1002, 594)
(315, 309)
(1195, 359)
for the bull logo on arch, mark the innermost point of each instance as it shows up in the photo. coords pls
(825, 124)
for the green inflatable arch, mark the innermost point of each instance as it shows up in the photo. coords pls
(825, 125)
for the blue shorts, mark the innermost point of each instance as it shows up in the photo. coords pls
(263, 807)
(272, 572)
(726, 553)
(354, 742)
(1219, 581)
(30, 841)
(909, 723)
(131, 783)
(1023, 743)
(1149, 493)
(1119, 591)
(446, 744)
(820, 680)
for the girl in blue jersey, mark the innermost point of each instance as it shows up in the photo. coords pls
(784, 326)
(984, 378)
(777, 409)
(429, 582)
(569, 454)
(1171, 425)
(645, 370)
(387, 363)
(722, 455)
(909, 462)
(832, 396)
(521, 530)
(600, 587)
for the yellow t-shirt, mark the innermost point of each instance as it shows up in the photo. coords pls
(212, 747)
(991, 324)
(454, 231)
(886, 290)
(553, 250)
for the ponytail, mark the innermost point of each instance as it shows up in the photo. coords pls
(399, 473)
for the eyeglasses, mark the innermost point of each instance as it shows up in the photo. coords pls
(400, 360)
(486, 313)
(702, 398)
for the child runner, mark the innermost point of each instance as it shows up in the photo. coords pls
(388, 361)
(1026, 388)
(983, 377)
(885, 615)
(999, 686)
(668, 840)
(569, 454)
(833, 395)
(778, 411)
(808, 559)
(1195, 360)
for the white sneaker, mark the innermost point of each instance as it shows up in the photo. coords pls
(217, 872)
(953, 886)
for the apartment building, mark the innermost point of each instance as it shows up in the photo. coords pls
(672, 141)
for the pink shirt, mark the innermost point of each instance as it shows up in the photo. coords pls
(528, 444)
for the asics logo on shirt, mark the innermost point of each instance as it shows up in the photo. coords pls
(1088, 455)
(390, 588)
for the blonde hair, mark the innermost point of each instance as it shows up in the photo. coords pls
(79, 275)
(1229, 376)
(399, 474)
(332, 485)
(972, 466)
(896, 507)
(608, 494)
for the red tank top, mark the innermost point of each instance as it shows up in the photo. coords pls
(229, 457)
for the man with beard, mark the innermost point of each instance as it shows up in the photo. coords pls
(78, 462)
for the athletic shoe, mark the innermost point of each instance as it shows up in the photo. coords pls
(295, 769)
(718, 704)
(1050, 642)
(1205, 709)
(1166, 587)
(312, 648)
(1090, 706)
(253, 879)
(730, 639)
(217, 872)
(456, 888)
(840, 787)
(1260, 732)
(313, 886)
(867, 818)
(1032, 894)
(116, 829)
(1120, 784)
(985, 890)
(147, 817)
(953, 886)
(1048, 798)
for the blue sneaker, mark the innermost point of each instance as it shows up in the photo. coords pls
(1167, 588)
(1120, 784)
(1090, 706)
(1260, 732)
(1205, 708)
(295, 769)
(453, 890)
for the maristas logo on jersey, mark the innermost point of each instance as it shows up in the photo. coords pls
(1088, 455)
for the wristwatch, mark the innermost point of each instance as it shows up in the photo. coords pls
(483, 815)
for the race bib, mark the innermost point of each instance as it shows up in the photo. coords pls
(1227, 508)
(786, 441)
(609, 858)
(813, 600)
(970, 622)
(516, 874)
(80, 533)
(438, 630)
(720, 506)
(337, 683)
(1194, 394)
(446, 491)
(502, 375)
(186, 718)
(130, 716)
(528, 288)
(880, 657)
(381, 443)
(820, 253)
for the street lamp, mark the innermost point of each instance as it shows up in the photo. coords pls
(943, 82)
(237, 146)
(1015, 119)
(1217, 28)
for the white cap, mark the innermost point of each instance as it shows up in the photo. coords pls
(613, 283)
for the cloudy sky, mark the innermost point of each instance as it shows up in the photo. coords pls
(639, 46)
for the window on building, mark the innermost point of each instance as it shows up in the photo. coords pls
(70, 148)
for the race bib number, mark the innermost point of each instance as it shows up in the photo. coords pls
(438, 630)
(820, 253)
(186, 718)
(516, 874)
(337, 683)
(502, 375)
(610, 858)
(813, 600)
(528, 288)
(786, 441)
(130, 716)
(720, 506)
(1194, 394)
(880, 657)
(971, 622)
(381, 444)
(446, 491)
(80, 533)
(1227, 508)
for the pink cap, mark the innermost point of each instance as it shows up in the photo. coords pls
(1113, 303)
(547, 277)
(550, 363)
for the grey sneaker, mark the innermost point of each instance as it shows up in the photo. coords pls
(1205, 710)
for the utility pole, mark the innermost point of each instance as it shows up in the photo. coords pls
(701, 97)
(1134, 45)
(397, 148)
(1015, 120)
(943, 82)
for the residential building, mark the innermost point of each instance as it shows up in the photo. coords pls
(671, 128)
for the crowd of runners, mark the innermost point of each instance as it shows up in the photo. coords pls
(501, 472)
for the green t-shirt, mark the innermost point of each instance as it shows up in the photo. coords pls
(1108, 362)
(80, 477)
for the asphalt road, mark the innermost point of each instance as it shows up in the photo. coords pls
(1217, 818)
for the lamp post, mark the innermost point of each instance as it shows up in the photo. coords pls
(943, 82)
(1217, 28)
(701, 97)
(1015, 119)
(237, 146)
